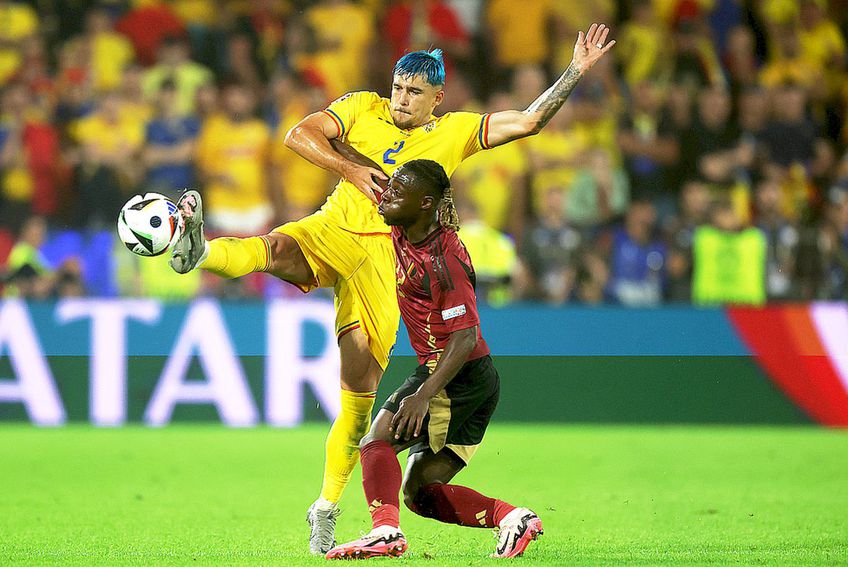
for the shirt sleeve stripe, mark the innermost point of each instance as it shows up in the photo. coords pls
(483, 135)
(339, 124)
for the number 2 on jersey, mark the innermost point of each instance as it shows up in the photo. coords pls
(387, 156)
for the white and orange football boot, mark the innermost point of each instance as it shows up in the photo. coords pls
(516, 531)
(384, 541)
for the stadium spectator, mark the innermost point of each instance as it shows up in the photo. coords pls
(643, 45)
(206, 101)
(649, 145)
(568, 17)
(695, 61)
(740, 59)
(29, 156)
(73, 86)
(790, 65)
(27, 272)
(550, 254)
(495, 180)
(754, 108)
(694, 210)
(792, 138)
(232, 161)
(201, 19)
(729, 262)
(554, 156)
(19, 22)
(636, 258)
(823, 43)
(110, 51)
(781, 240)
(148, 25)
(600, 191)
(241, 64)
(708, 147)
(520, 33)
(411, 25)
(679, 103)
(170, 141)
(344, 33)
(832, 253)
(492, 252)
(134, 103)
(111, 142)
(173, 61)
(36, 72)
(598, 103)
(525, 83)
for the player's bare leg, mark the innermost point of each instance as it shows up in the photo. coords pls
(275, 253)
(286, 260)
(360, 375)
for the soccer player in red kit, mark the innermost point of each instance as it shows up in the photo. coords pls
(441, 412)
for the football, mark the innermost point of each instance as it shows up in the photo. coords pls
(148, 224)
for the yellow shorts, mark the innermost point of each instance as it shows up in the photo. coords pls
(361, 270)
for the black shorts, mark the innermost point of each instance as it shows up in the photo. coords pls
(460, 413)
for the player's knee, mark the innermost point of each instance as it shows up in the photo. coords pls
(287, 260)
(411, 493)
(366, 439)
(376, 434)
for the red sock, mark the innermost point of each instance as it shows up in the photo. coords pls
(455, 504)
(381, 479)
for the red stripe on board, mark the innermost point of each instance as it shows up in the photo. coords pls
(785, 343)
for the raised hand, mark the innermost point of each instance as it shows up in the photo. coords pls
(591, 47)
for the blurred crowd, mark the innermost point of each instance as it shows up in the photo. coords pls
(704, 161)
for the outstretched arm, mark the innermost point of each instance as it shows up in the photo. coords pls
(514, 124)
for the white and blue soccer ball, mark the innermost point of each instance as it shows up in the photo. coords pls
(149, 224)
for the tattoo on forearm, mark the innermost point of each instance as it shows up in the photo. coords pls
(550, 101)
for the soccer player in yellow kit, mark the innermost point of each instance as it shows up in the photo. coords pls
(347, 246)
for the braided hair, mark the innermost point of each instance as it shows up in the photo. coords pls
(436, 183)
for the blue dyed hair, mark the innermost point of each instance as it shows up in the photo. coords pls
(428, 64)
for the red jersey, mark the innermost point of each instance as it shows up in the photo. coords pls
(435, 289)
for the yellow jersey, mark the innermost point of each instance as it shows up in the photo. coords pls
(234, 155)
(364, 121)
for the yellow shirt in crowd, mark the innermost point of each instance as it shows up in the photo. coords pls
(233, 157)
(564, 146)
(488, 179)
(110, 53)
(520, 30)
(201, 12)
(188, 77)
(108, 137)
(350, 29)
(642, 51)
(17, 22)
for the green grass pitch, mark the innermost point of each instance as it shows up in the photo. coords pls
(195, 495)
